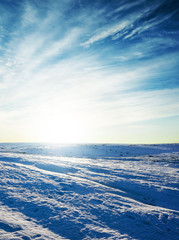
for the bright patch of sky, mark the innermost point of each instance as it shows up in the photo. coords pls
(89, 71)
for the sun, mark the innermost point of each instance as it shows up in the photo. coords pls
(61, 129)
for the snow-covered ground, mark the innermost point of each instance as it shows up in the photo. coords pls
(89, 192)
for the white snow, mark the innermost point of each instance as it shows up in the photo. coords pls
(89, 191)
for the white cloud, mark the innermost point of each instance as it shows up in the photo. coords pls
(47, 75)
(125, 6)
(125, 28)
(106, 32)
(148, 25)
(29, 16)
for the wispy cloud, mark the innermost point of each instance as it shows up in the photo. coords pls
(150, 24)
(106, 65)
(125, 28)
(108, 31)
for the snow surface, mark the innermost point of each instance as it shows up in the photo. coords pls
(89, 192)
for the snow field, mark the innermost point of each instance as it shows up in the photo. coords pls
(109, 192)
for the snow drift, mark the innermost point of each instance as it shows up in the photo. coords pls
(89, 191)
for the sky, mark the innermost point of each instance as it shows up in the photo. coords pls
(86, 71)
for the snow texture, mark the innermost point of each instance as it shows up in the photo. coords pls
(89, 192)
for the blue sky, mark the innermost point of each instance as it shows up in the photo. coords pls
(89, 71)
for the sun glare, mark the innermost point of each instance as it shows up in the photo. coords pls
(61, 129)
